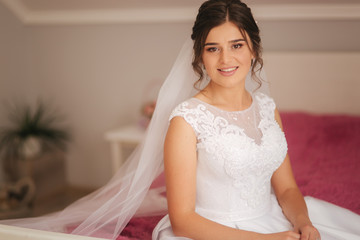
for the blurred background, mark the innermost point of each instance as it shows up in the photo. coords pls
(95, 62)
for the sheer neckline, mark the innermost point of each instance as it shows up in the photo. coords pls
(225, 111)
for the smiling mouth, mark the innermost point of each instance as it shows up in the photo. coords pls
(228, 69)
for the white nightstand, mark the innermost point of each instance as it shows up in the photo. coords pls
(129, 135)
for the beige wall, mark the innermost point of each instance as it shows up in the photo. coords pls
(97, 74)
(318, 82)
(12, 48)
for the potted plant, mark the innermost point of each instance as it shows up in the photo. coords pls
(31, 132)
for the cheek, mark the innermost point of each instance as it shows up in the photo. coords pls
(245, 59)
(208, 62)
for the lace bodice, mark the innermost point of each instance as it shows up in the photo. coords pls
(237, 155)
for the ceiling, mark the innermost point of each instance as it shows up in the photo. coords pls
(293, 20)
(37, 12)
(54, 5)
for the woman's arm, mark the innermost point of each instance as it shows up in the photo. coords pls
(180, 158)
(290, 198)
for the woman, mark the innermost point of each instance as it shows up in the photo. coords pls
(225, 150)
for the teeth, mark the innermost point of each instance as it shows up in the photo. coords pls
(228, 69)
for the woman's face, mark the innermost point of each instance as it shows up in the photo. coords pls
(226, 56)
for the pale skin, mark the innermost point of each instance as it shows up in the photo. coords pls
(227, 60)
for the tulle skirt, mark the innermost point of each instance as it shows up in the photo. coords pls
(333, 222)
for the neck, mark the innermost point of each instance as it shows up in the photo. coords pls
(232, 99)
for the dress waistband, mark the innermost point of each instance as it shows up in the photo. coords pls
(236, 215)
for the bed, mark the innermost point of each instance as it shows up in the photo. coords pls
(325, 155)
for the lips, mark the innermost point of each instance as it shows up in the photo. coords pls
(228, 71)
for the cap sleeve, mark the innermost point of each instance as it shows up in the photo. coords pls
(267, 106)
(188, 111)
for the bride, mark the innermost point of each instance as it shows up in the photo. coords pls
(228, 175)
(225, 148)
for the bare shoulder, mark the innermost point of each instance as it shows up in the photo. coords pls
(179, 130)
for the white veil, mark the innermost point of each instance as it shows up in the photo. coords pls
(106, 212)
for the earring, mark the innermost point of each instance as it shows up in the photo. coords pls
(206, 76)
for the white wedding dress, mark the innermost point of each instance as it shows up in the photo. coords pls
(237, 155)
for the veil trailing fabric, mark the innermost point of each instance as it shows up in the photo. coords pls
(105, 212)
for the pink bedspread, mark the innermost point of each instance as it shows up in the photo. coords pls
(325, 155)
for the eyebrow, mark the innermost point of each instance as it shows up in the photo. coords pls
(232, 41)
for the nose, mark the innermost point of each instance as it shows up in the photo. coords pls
(225, 55)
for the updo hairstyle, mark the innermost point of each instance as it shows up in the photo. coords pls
(213, 13)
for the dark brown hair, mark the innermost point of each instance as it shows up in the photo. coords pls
(213, 13)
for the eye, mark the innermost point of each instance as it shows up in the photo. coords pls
(212, 49)
(238, 45)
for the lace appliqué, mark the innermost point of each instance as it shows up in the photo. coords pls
(248, 164)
